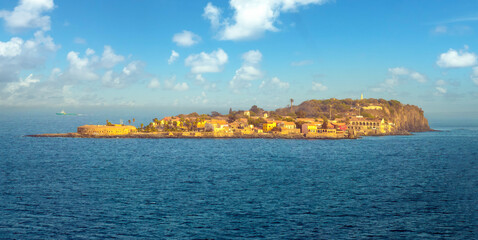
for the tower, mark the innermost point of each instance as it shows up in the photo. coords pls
(361, 96)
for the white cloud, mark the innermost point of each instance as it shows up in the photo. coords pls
(181, 87)
(318, 87)
(440, 29)
(109, 59)
(90, 67)
(174, 56)
(132, 67)
(274, 83)
(154, 83)
(301, 63)
(418, 77)
(203, 82)
(89, 52)
(399, 75)
(11, 48)
(401, 71)
(248, 72)
(440, 82)
(252, 57)
(213, 14)
(79, 69)
(22, 83)
(455, 59)
(170, 84)
(204, 62)
(251, 17)
(79, 40)
(186, 38)
(28, 14)
(474, 75)
(441, 90)
(17, 55)
(131, 73)
(202, 99)
(452, 30)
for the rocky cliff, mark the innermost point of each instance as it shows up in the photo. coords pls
(410, 118)
(406, 117)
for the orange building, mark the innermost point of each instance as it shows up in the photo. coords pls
(103, 130)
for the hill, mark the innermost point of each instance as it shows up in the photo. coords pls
(406, 117)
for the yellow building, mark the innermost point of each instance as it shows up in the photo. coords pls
(201, 124)
(172, 120)
(309, 128)
(103, 130)
(364, 125)
(373, 108)
(267, 127)
(216, 125)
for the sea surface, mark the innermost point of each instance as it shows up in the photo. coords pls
(423, 186)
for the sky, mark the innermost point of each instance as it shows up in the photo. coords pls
(216, 55)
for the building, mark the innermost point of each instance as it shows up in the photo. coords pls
(360, 124)
(216, 125)
(327, 131)
(372, 107)
(267, 127)
(340, 126)
(309, 128)
(103, 130)
(172, 120)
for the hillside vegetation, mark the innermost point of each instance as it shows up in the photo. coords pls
(405, 117)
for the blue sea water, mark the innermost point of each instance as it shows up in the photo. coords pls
(423, 186)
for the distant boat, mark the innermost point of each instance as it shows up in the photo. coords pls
(64, 113)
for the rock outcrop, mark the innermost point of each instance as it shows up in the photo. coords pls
(407, 118)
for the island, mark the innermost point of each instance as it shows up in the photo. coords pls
(312, 119)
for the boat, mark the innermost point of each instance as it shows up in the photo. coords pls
(64, 113)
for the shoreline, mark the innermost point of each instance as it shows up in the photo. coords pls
(218, 136)
(180, 135)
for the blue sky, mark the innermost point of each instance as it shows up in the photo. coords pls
(212, 55)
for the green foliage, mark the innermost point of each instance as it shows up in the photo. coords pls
(288, 119)
(367, 114)
(299, 124)
(301, 114)
(256, 109)
(325, 123)
(231, 118)
(193, 114)
(256, 122)
(215, 114)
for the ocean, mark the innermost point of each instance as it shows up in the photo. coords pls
(423, 186)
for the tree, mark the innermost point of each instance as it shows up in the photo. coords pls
(215, 114)
(230, 110)
(256, 109)
(134, 120)
(291, 102)
(142, 125)
(231, 118)
(129, 121)
(325, 123)
(300, 114)
(108, 123)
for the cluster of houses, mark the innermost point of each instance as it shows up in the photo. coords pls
(248, 125)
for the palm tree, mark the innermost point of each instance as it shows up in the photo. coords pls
(291, 102)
